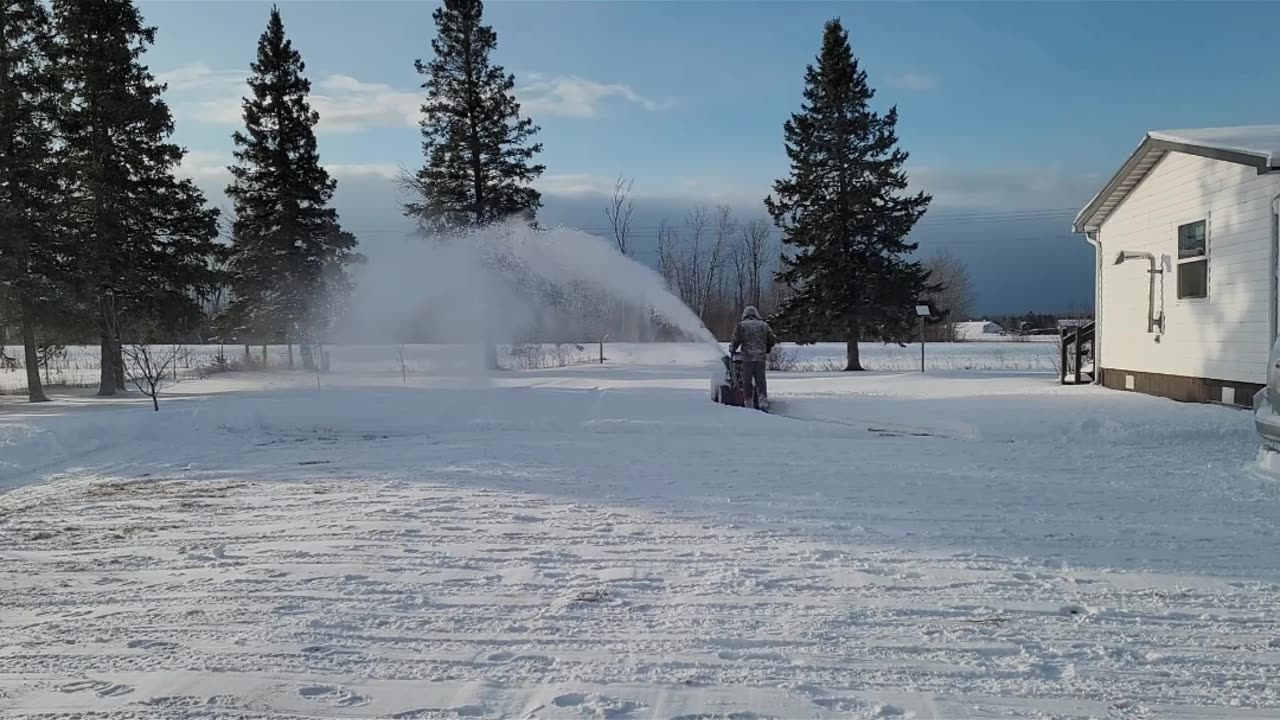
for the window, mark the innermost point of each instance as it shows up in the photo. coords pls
(1193, 261)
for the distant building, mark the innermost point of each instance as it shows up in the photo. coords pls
(1186, 235)
(977, 330)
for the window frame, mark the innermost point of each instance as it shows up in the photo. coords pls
(1178, 261)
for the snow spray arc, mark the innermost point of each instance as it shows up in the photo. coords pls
(513, 283)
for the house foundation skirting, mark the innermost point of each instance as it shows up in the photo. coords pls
(1182, 388)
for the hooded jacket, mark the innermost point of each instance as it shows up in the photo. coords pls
(753, 336)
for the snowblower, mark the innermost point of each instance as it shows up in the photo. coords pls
(728, 388)
(731, 389)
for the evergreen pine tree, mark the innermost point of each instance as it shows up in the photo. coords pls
(844, 212)
(479, 151)
(29, 187)
(143, 238)
(479, 160)
(289, 254)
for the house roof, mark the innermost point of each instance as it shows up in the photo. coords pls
(1254, 145)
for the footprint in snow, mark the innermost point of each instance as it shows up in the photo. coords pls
(744, 715)
(598, 705)
(751, 656)
(333, 695)
(569, 700)
(151, 645)
(840, 704)
(465, 711)
(173, 702)
(101, 688)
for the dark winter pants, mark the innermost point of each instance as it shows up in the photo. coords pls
(753, 377)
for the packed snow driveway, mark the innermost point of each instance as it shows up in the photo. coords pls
(606, 542)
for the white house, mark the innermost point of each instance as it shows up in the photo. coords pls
(1186, 237)
(977, 330)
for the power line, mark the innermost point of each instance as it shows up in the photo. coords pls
(949, 219)
(941, 243)
(927, 220)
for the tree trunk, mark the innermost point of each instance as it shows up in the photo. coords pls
(155, 400)
(308, 356)
(851, 349)
(289, 343)
(119, 367)
(107, 321)
(247, 357)
(264, 357)
(35, 390)
(107, 379)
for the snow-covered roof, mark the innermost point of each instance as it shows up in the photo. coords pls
(1254, 145)
(974, 329)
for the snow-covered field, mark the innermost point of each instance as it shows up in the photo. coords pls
(80, 368)
(603, 541)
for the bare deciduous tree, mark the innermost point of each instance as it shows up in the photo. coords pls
(669, 255)
(694, 261)
(957, 296)
(757, 249)
(619, 213)
(721, 240)
(741, 280)
(718, 265)
(151, 368)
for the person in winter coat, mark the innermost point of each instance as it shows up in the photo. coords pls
(756, 339)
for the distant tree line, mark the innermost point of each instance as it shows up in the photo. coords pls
(1033, 323)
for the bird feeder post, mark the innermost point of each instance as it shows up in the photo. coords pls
(922, 311)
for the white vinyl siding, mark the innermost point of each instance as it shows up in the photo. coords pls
(1223, 335)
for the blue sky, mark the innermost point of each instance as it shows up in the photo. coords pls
(1004, 107)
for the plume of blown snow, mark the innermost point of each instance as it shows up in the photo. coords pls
(510, 283)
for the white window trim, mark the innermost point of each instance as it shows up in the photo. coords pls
(1208, 266)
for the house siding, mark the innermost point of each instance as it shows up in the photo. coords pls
(1224, 337)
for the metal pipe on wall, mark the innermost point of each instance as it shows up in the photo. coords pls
(1152, 321)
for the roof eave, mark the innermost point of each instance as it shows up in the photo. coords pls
(1083, 222)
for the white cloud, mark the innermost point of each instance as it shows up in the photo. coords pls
(198, 76)
(226, 111)
(210, 167)
(575, 184)
(917, 81)
(572, 96)
(202, 165)
(347, 104)
(388, 171)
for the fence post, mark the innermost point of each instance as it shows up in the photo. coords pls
(1062, 360)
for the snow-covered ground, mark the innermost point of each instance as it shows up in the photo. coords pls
(603, 541)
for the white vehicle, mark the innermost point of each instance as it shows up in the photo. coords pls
(1266, 404)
